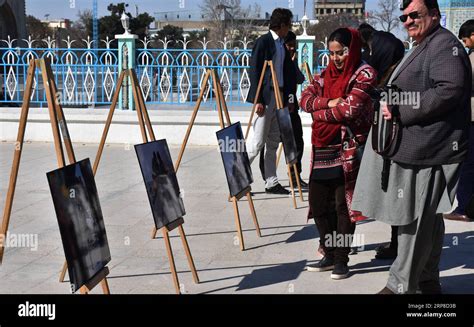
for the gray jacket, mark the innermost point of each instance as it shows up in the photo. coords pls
(438, 72)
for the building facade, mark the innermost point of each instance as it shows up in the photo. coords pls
(12, 19)
(57, 23)
(324, 8)
(455, 12)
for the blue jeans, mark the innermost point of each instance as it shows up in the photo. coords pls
(466, 179)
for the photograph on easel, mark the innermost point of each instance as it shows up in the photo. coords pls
(235, 158)
(80, 220)
(287, 135)
(161, 182)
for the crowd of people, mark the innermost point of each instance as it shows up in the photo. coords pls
(392, 137)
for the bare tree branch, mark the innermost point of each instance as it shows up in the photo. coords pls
(386, 15)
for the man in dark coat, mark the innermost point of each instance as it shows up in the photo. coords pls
(266, 131)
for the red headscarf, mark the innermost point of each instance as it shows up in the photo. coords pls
(335, 85)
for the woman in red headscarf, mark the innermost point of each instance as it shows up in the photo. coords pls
(342, 110)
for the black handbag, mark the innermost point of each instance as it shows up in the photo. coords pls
(385, 133)
(385, 146)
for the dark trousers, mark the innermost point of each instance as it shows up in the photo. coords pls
(335, 238)
(394, 239)
(466, 180)
(298, 133)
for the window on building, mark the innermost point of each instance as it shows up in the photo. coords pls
(177, 16)
(328, 11)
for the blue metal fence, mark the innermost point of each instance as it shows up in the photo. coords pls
(86, 76)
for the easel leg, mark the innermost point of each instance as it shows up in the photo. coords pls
(257, 95)
(222, 98)
(63, 272)
(166, 237)
(217, 94)
(153, 233)
(188, 254)
(105, 286)
(237, 223)
(295, 169)
(280, 150)
(108, 122)
(193, 118)
(292, 186)
(254, 214)
(17, 155)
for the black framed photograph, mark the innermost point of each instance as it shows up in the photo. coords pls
(161, 182)
(287, 135)
(235, 158)
(80, 220)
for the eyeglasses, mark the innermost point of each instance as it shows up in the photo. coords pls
(413, 15)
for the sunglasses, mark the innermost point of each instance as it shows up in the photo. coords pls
(413, 15)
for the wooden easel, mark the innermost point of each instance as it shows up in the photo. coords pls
(279, 105)
(145, 125)
(221, 110)
(59, 128)
(100, 277)
(308, 72)
(310, 78)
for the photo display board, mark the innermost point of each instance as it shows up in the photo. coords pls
(160, 182)
(80, 220)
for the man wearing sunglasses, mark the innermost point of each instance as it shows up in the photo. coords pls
(432, 143)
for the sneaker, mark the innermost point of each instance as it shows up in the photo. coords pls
(340, 271)
(277, 189)
(323, 265)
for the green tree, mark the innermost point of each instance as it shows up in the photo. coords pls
(111, 25)
(171, 33)
(36, 29)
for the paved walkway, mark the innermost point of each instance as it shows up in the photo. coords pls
(272, 264)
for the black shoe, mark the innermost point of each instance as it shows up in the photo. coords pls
(277, 189)
(386, 291)
(386, 253)
(340, 271)
(303, 184)
(430, 287)
(323, 265)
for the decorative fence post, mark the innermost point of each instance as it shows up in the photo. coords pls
(126, 54)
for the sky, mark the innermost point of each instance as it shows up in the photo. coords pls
(57, 9)
(70, 8)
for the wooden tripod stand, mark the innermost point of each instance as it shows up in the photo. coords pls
(221, 110)
(308, 72)
(60, 129)
(146, 126)
(279, 105)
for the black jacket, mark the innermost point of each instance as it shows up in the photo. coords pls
(265, 49)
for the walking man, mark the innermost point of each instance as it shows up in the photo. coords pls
(270, 46)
